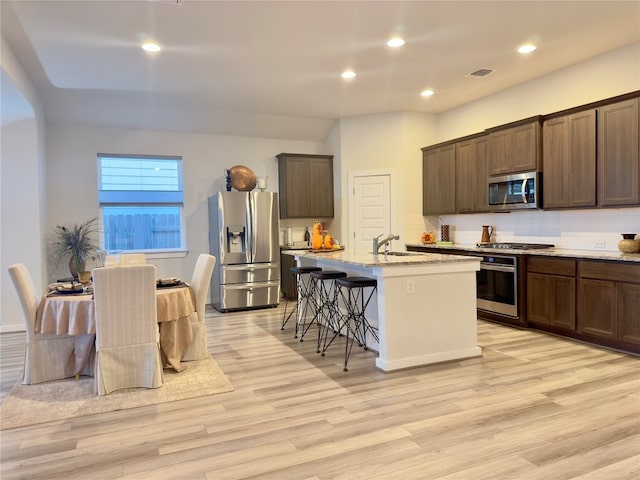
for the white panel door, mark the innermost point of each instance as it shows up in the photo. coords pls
(372, 209)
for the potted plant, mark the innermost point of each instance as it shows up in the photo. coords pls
(76, 241)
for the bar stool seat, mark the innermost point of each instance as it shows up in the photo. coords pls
(355, 323)
(305, 297)
(327, 315)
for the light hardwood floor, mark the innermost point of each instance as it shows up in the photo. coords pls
(533, 407)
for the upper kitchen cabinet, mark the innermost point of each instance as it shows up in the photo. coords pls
(306, 185)
(472, 166)
(439, 179)
(569, 152)
(618, 155)
(515, 147)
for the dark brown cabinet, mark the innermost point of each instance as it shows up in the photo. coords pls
(569, 153)
(305, 185)
(609, 302)
(287, 281)
(472, 167)
(618, 153)
(439, 180)
(515, 148)
(551, 292)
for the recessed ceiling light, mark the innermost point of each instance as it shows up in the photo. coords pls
(427, 93)
(527, 48)
(395, 42)
(348, 74)
(150, 46)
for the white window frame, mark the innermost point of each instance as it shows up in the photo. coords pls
(144, 198)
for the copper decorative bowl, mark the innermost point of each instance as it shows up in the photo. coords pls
(242, 178)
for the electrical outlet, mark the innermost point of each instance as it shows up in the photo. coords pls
(411, 288)
(599, 245)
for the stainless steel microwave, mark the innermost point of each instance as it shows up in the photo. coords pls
(513, 192)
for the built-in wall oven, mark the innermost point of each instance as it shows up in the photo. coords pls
(497, 285)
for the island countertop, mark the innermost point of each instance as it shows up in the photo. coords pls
(363, 259)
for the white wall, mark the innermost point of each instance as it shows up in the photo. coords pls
(602, 77)
(72, 194)
(22, 173)
(387, 142)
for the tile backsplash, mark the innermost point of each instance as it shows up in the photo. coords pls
(597, 229)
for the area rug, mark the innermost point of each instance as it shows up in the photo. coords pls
(64, 399)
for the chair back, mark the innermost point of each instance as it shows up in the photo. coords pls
(27, 294)
(133, 259)
(201, 280)
(125, 303)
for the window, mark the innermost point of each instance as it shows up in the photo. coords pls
(141, 202)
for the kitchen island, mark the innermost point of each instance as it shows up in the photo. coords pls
(425, 307)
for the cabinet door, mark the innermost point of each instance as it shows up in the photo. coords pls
(569, 154)
(582, 160)
(629, 312)
(551, 300)
(321, 188)
(439, 180)
(481, 201)
(597, 308)
(471, 176)
(526, 139)
(500, 148)
(447, 176)
(466, 176)
(564, 303)
(618, 154)
(514, 149)
(287, 280)
(538, 299)
(296, 197)
(555, 146)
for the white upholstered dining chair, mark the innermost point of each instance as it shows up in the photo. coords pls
(47, 356)
(200, 281)
(127, 338)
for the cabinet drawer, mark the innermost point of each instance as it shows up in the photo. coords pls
(614, 272)
(552, 266)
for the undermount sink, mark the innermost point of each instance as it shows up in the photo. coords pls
(399, 254)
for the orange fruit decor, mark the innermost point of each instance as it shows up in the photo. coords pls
(328, 241)
(428, 237)
(316, 242)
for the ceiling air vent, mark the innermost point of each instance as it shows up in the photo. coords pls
(481, 72)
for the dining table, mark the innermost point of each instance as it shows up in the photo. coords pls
(74, 314)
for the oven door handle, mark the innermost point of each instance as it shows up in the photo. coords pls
(524, 191)
(497, 268)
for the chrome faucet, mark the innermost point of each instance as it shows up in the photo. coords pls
(377, 243)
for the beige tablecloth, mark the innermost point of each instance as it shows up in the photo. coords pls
(75, 315)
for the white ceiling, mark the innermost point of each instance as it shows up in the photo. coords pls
(272, 69)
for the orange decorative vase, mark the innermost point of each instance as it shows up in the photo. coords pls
(316, 242)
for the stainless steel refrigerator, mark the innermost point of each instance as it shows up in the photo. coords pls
(244, 237)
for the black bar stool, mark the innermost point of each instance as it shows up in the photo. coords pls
(355, 323)
(305, 290)
(327, 315)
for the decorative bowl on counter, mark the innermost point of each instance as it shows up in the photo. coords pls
(629, 244)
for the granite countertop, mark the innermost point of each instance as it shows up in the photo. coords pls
(382, 260)
(549, 252)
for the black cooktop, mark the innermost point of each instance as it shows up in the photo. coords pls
(516, 246)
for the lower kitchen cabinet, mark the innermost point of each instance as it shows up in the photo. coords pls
(287, 281)
(551, 292)
(609, 302)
